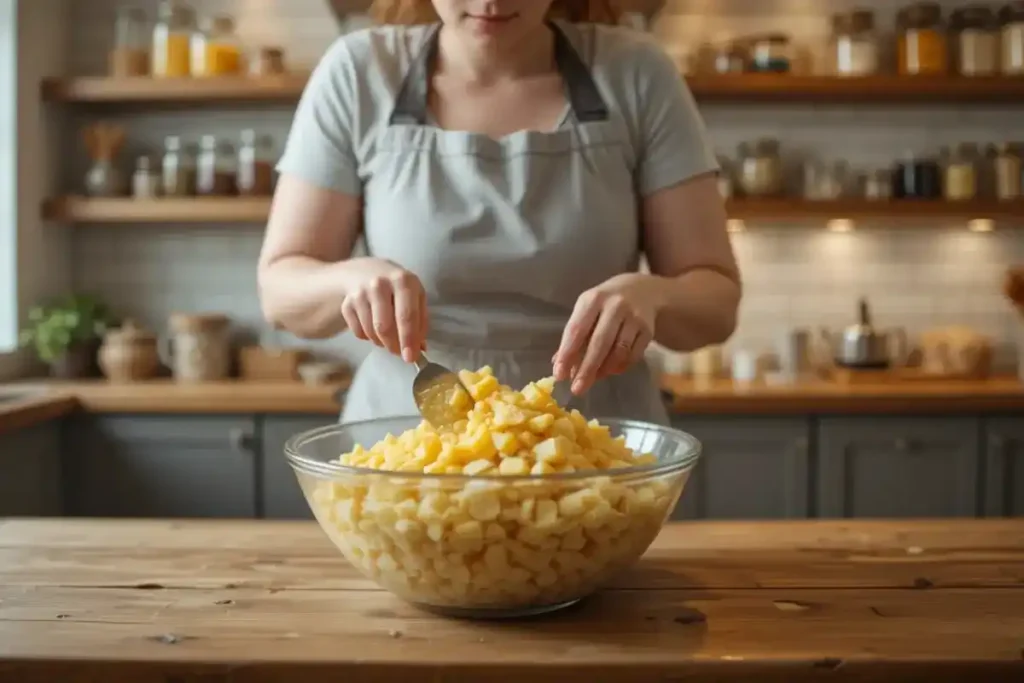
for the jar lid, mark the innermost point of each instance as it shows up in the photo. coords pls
(862, 20)
(1012, 12)
(973, 16)
(130, 331)
(922, 15)
(197, 322)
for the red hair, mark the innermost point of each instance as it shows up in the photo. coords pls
(422, 11)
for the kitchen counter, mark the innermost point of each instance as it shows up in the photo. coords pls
(246, 601)
(54, 399)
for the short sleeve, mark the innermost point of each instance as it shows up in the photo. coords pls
(674, 144)
(321, 144)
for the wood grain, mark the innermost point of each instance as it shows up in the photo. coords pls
(165, 600)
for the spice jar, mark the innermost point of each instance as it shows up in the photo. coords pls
(172, 37)
(215, 168)
(198, 347)
(976, 40)
(760, 168)
(255, 165)
(825, 181)
(770, 53)
(215, 49)
(728, 58)
(1011, 16)
(178, 169)
(130, 55)
(854, 43)
(269, 62)
(145, 181)
(1008, 173)
(878, 185)
(922, 47)
(917, 177)
(961, 176)
(129, 354)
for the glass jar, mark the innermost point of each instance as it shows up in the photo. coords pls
(178, 172)
(1008, 173)
(961, 174)
(216, 50)
(922, 47)
(916, 177)
(854, 43)
(759, 168)
(878, 185)
(823, 182)
(977, 40)
(726, 57)
(129, 57)
(145, 181)
(215, 168)
(172, 37)
(725, 176)
(771, 53)
(255, 165)
(1011, 16)
(269, 61)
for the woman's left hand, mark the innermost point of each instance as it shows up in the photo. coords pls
(609, 330)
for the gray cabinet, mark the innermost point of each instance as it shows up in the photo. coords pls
(161, 466)
(30, 471)
(1004, 467)
(898, 466)
(282, 497)
(751, 468)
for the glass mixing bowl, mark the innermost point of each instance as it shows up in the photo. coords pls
(490, 546)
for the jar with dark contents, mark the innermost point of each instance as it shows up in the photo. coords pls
(255, 165)
(178, 169)
(216, 168)
(917, 177)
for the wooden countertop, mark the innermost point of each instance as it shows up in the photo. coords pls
(258, 601)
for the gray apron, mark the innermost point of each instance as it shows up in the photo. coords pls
(505, 234)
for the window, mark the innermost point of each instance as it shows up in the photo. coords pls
(8, 176)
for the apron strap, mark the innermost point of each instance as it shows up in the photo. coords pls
(584, 97)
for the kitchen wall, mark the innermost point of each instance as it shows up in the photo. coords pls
(794, 275)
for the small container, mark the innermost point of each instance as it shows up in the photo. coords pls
(1008, 173)
(976, 35)
(129, 58)
(917, 177)
(215, 169)
(855, 46)
(145, 180)
(178, 169)
(1011, 17)
(172, 37)
(269, 61)
(878, 185)
(728, 58)
(725, 177)
(198, 347)
(961, 174)
(129, 354)
(216, 50)
(255, 165)
(771, 53)
(922, 46)
(823, 182)
(759, 168)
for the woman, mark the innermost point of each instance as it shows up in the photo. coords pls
(507, 161)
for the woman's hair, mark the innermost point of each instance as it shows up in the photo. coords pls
(422, 11)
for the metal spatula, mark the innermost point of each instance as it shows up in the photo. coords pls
(433, 390)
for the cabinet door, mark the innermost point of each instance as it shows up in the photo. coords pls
(282, 497)
(1004, 467)
(30, 471)
(750, 468)
(898, 466)
(161, 466)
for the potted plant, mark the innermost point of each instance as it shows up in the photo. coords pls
(66, 334)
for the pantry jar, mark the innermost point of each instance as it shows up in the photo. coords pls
(1011, 17)
(772, 53)
(255, 165)
(855, 47)
(922, 46)
(961, 174)
(216, 50)
(216, 168)
(197, 347)
(178, 169)
(1008, 173)
(917, 177)
(172, 38)
(145, 180)
(759, 168)
(130, 55)
(976, 35)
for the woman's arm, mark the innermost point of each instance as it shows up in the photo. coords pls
(694, 277)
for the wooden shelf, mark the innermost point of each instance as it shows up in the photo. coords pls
(764, 88)
(74, 209)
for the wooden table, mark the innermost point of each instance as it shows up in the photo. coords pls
(213, 602)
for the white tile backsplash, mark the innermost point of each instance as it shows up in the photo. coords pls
(914, 276)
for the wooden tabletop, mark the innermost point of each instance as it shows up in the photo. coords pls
(246, 601)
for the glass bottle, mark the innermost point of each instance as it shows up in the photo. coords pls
(172, 38)
(129, 57)
(145, 182)
(1008, 173)
(216, 50)
(917, 177)
(759, 168)
(922, 47)
(255, 165)
(771, 54)
(976, 39)
(961, 175)
(1011, 16)
(855, 45)
(178, 169)
(215, 168)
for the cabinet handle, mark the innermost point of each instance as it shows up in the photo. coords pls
(241, 440)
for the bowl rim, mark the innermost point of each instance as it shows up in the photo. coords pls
(332, 469)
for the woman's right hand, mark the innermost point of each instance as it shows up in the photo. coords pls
(387, 306)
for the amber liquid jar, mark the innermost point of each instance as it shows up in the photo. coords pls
(923, 48)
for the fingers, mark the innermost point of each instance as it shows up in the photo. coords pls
(407, 315)
(381, 297)
(621, 355)
(389, 310)
(577, 332)
(600, 345)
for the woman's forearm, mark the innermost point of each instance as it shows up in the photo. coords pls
(303, 296)
(696, 309)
